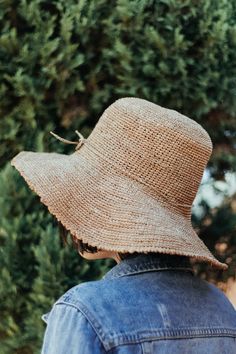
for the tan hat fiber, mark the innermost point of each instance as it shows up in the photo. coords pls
(131, 184)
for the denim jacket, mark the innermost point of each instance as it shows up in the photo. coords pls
(146, 304)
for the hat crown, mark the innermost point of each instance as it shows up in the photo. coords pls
(161, 148)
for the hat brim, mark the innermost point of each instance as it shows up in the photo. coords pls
(106, 209)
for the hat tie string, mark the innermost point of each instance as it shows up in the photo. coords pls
(78, 143)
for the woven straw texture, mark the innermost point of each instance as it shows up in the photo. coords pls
(131, 184)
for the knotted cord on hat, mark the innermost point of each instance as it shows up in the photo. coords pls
(78, 143)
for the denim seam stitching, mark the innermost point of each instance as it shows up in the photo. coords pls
(142, 270)
(174, 334)
(90, 318)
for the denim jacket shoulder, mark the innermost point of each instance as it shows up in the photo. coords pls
(151, 299)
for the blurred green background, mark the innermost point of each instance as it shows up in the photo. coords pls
(61, 64)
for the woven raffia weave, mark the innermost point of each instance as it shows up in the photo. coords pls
(131, 184)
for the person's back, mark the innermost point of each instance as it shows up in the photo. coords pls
(143, 305)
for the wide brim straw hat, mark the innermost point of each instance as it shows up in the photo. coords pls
(130, 186)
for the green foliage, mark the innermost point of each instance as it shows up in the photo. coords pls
(217, 229)
(61, 64)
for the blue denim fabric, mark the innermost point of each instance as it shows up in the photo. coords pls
(146, 304)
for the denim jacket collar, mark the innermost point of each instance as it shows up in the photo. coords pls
(149, 262)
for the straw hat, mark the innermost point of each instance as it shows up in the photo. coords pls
(130, 186)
